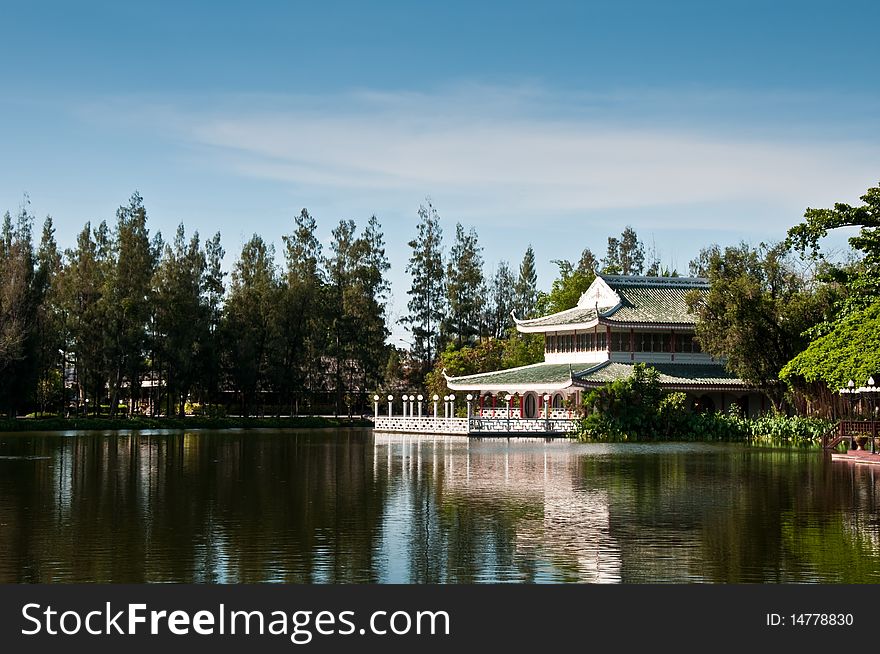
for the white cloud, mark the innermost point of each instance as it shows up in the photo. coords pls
(515, 153)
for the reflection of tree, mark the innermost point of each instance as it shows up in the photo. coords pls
(739, 515)
(209, 507)
(339, 507)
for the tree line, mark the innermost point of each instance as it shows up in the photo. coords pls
(126, 322)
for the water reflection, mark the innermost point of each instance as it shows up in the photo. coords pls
(344, 506)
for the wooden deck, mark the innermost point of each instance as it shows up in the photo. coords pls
(857, 456)
(847, 430)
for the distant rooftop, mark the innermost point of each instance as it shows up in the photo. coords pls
(625, 300)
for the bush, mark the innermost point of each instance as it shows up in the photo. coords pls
(637, 409)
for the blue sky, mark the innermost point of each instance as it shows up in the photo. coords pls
(554, 124)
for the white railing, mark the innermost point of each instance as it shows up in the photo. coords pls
(421, 415)
(498, 412)
(423, 425)
(489, 426)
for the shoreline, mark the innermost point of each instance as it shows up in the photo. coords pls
(55, 424)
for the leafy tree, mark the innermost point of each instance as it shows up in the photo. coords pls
(526, 289)
(860, 278)
(755, 314)
(567, 288)
(626, 255)
(850, 351)
(699, 267)
(464, 288)
(426, 294)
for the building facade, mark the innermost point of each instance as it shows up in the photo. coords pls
(619, 321)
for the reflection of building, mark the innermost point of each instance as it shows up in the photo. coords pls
(619, 321)
(561, 526)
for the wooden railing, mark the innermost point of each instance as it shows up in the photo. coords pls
(849, 430)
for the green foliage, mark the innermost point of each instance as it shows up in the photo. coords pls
(20, 298)
(625, 255)
(862, 280)
(427, 297)
(465, 290)
(502, 301)
(850, 351)
(526, 289)
(755, 313)
(567, 288)
(486, 356)
(637, 409)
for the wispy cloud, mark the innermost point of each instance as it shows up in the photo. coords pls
(518, 152)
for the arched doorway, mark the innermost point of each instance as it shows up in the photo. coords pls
(530, 405)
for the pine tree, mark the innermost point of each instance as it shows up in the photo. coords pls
(51, 320)
(19, 305)
(426, 294)
(465, 288)
(182, 315)
(526, 286)
(127, 301)
(247, 324)
(301, 312)
(501, 301)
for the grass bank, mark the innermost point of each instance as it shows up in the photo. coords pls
(55, 423)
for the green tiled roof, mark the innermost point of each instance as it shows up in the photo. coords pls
(671, 374)
(653, 299)
(659, 300)
(568, 317)
(539, 373)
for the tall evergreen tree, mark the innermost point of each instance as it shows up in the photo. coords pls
(301, 313)
(426, 294)
(19, 305)
(51, 320)
(465, 288)
(211, 348)
(501, 301)
(372, 310)
(182, 315)
(82, 291)
(342, 274)
(526, 286)
(247, 322)
(127, 301)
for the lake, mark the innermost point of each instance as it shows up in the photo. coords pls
(331, 506)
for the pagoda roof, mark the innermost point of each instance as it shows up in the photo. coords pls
(675, 376)
(625, 300)
(537, 376)
(557, 376)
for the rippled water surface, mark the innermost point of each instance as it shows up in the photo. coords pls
(347, 506)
